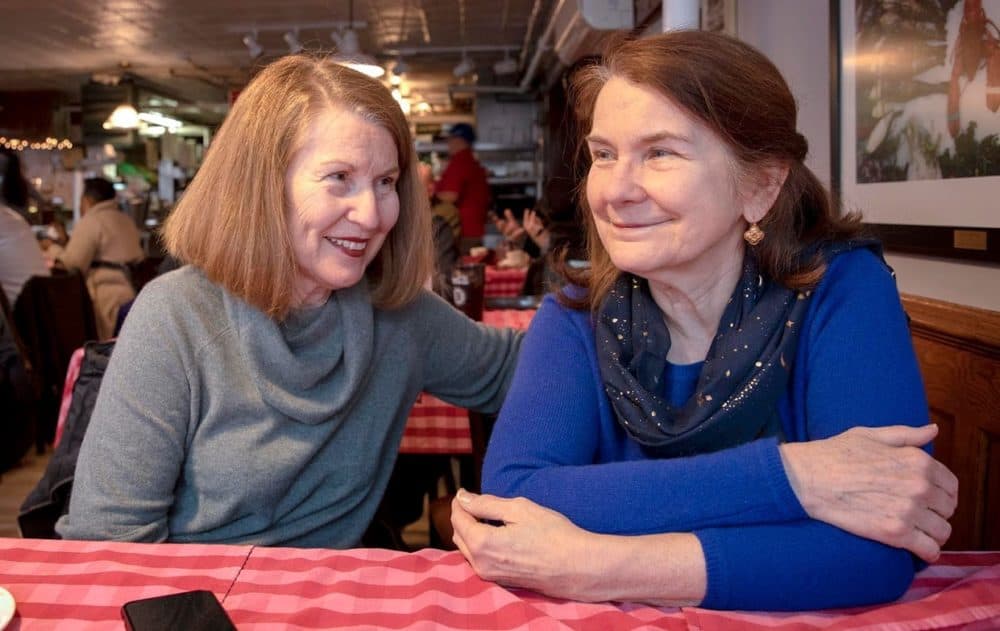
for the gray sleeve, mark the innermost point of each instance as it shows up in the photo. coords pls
(466, 363)
(134, 448)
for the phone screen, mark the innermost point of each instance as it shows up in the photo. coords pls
(195, 611)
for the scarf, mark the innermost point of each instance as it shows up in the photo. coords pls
(741, 381)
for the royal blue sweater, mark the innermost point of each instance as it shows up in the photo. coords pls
(558, 443)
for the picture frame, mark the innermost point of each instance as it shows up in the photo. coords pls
(719, 16)
(922, 188)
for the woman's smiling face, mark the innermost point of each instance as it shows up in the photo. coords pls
(341, 190)
(661, 187)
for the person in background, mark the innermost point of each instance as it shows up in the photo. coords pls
(14, 188)
(464, 184)
(530, 227)
(53, 242)
(445, 230)
(103, 242)
(725, 410)
(20, 256)
(259, 393)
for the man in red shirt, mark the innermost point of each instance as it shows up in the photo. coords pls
(464, 184)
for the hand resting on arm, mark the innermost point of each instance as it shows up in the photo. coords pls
(877, 483)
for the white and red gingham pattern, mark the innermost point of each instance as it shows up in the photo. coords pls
(504, 282)
(509, 318)
(72, 373)
(70, 585)
(82, 585)
(436, 427)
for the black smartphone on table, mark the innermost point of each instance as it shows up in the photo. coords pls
(197, 610)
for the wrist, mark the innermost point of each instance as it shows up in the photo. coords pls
(795, 461)
(663, 570)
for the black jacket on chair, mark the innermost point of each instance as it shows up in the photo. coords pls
(49, 500)
(54, 317)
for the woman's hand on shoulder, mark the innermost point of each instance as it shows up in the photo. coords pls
(533, 547)
(877, 483)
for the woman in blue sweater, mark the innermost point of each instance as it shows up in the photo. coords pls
(725, 410)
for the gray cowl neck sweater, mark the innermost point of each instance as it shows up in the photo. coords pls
(311, 366)
(215, 423)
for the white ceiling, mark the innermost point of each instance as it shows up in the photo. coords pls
(194, 48)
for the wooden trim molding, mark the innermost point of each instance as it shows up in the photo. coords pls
(957, 325)
(958, 348)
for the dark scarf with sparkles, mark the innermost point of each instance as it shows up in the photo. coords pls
(742, 379)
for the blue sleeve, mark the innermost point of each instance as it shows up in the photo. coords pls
(556, 442)
(855, 366)
(799, 566)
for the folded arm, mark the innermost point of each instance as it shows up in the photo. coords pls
(856, 367)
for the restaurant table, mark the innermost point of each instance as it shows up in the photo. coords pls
(82, 585)
(504, 281)
(436, 427)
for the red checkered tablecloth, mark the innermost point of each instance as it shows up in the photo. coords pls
(436, 427)
(72, 585)
(504, 282)
(82, 585)
(509, 318)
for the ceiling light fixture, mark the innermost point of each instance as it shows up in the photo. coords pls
(254, 48)
(349, 50)
(464, 67)
(292, 39)
(505, 66)
(123, 117)
(155, 118)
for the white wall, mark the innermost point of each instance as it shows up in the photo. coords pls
(795, 35)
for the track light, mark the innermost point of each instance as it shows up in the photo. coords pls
(505, 65)
(464, 67)
(349, 49)
(255, 49)
(292, 39)
(349, 54)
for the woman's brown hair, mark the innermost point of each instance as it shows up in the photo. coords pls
(232, 221)
(741, 96)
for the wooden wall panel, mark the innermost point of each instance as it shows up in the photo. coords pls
(959, 352)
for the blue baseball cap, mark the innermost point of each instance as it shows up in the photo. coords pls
(464, 131)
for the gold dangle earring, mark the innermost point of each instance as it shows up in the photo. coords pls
(754, 234)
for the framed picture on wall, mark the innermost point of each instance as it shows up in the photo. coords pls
(719, 15)
(917, 140)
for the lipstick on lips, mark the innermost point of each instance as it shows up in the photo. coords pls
(351, 246)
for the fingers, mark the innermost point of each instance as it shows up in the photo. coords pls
(922, 545)
(934, 526)
(464, 527)
(942, 493)
(942, 477)
(902, 435)
(532, 222)
(483, 506)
